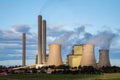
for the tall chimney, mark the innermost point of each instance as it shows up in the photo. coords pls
(44, 42)
(23, 49)
(36, 61)
(39, 39)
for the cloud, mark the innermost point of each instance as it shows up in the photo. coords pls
(11, 42)
(103, 39)
(21, 28)
(55, 31)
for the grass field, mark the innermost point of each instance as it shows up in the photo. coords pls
(113, 76)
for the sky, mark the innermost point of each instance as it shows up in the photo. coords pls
(69, 22)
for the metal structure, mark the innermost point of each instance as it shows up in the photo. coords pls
(54, 55)
(104, 58)
(88, 58)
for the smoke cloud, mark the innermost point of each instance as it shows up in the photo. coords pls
(67, 38)
(103, 39)
(78, 36)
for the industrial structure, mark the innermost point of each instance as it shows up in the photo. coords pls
(39, 40)
(103, 58)
(54, 55)
(88, 58)
(74, 59)
(44, 41)
(82, 55)
(23, 49)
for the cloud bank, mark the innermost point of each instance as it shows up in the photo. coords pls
(11, 40)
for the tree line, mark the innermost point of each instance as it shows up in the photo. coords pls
(61, 69)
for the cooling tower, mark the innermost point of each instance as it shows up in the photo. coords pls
(88, 58)
(39, 39)
(54, 55)
(23, 49)
(104, 58)
(44, 42)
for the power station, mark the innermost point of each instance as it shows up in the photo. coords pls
(82, 54)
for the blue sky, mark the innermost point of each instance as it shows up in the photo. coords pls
(69, 22)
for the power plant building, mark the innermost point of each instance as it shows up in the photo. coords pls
(74, 59)
(78, 49)
(82, 55)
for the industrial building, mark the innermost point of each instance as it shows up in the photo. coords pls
(74, 59)
(82, 55)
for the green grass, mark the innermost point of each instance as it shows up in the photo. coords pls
(113, 76)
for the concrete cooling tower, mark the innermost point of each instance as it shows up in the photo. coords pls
(54, 55)
(88, 58)
(104, 58)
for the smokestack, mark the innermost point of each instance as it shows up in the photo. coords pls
(39, 39)
(44, 42)
(104, 58)
(88, 58)
(36, 61)
(54, 55)
(23, 49)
